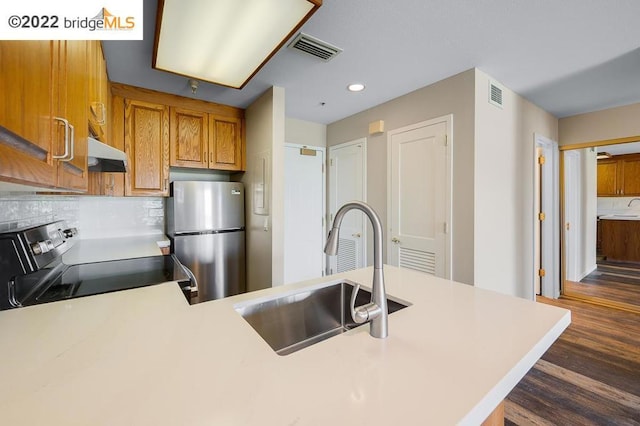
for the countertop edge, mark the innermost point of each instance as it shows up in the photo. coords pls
(489, 403)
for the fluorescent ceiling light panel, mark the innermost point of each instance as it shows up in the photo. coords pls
(225, 41)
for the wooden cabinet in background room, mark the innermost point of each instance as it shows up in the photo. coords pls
(621, 240)
(201, 140)
(146, 142)
(619, 176)
(43, 140)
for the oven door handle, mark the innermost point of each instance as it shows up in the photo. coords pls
(192, 277)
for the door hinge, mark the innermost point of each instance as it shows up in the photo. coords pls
(331, 162)
(322, 167)
(446, 140)
(541, 216)
(446, 228)
(542, 272)
(568, 226)
(541, 159)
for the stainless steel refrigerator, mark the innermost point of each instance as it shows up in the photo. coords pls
(205, 223)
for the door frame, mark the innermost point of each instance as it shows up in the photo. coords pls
(324, 187)
(574, 296)
(550, 205)
(328, 218)
(448, 120)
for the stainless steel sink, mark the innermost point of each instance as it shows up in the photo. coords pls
(294, 321)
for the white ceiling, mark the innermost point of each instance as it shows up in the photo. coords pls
(568, 56)
(624, 148)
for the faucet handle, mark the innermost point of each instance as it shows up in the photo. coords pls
(358, 315)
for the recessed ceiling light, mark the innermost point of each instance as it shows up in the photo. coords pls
(355, 87)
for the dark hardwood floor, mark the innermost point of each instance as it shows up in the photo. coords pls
(617, 282)
(589, 376)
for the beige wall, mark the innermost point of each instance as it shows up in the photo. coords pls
(277, 195)
(265, 131)
(504, 188)
(454, 95)
(613, 123)
(305, 132)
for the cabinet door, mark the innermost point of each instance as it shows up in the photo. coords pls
(73, 85)
(630, 172)
(146, 138)
(26, 112)
(607, 177)
(226, 143)
(98, 92)
(189, 138)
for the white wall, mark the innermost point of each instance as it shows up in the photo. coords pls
(503, 188)
(305, 132)
(454, 95)
(265, 124)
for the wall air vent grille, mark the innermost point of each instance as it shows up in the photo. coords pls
(495, 94)
(417, 260)
(314, 47)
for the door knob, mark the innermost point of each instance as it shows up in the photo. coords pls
(395, 240)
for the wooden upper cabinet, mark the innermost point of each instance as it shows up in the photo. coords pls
(189, 138)
(630, 172)
(619, 176)
(226, 143)
(43, 140)
(146, 142)
(202, 140)
(73, 95)
(99, 96)
(607, 177)
(26, 112)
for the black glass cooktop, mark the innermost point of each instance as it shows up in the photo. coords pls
(104, 277)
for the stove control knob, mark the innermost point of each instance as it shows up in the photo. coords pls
(71, 232)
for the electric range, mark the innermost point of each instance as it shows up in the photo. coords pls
(32, 271)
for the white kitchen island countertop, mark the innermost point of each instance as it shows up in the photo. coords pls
(145, 357)
(106, 249)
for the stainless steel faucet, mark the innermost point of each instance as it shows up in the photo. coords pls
(375, 311)
(632, 200)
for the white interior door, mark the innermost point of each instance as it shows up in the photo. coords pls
(418, 213)
(347, 182)
(571, 216)
(304, 208)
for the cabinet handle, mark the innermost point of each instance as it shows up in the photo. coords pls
(166, 184)
(73, 143)
(211, 157)
(66, 139)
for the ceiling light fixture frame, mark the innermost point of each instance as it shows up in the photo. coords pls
(314, 6)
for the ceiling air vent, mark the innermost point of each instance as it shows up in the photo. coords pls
(495, 94)
(314, 47)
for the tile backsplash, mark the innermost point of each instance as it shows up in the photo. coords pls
(618, 205)
(95, 217)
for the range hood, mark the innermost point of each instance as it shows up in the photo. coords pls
(104, 158)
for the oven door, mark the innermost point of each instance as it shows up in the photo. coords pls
(104, 277)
